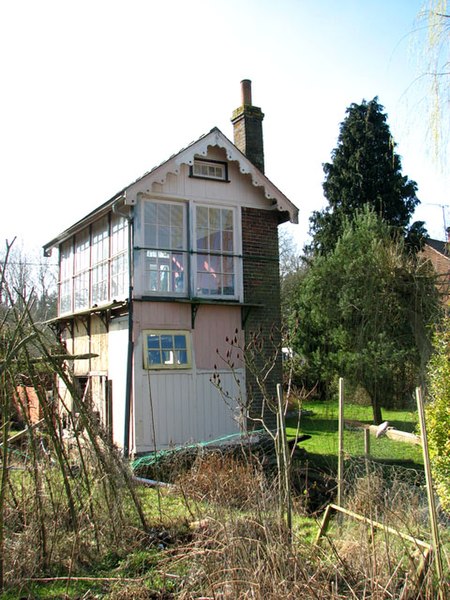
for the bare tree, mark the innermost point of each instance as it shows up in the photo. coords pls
(436, 71)
(290, 261)
(30, 277)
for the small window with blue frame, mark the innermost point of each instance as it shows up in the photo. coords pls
(167, 350)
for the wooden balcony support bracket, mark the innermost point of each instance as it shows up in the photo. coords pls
(194, 310)
(105, 317)
(86, 321)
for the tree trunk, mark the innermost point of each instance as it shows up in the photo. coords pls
(376, 407)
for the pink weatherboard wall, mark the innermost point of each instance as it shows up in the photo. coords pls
(213, 325)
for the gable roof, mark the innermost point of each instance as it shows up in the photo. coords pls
(439, 246)
(173, 165)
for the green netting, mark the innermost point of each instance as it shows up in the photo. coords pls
(154, 457)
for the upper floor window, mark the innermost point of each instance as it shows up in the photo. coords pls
(215, 264)
(189, 250)
(210, 169)
(100, 261)
(165, 237)
(119, 258)
(66, 277)
(82, 265)
(94, 265)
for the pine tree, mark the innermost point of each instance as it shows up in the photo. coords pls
(365, 170)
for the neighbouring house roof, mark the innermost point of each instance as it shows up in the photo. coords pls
(159, 173)
(439, 246)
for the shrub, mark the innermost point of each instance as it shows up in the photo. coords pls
(437, 414)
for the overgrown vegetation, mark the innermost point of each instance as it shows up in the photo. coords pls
(238, 547)
(438, 413)
(65, 498)
(74, 524)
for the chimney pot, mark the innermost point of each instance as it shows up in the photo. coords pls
(246, 92)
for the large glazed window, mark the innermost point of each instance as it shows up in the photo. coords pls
(82, 266)
(215, 247)
(165, 239)
(66, 277)
(167, 349)
(94, 265)
(100, 261)
(189, 250)
(119, 258)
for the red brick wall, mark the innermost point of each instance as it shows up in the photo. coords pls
(441, 264)
(262, 287)
(248, 136)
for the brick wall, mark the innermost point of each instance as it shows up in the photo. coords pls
(262, 287)
(441, 264)
(248, 135)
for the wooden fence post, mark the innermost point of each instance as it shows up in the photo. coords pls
(285, 462)
(367, 449)
(430, 493)
(341, 442)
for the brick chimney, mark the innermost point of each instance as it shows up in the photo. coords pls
(247, 124)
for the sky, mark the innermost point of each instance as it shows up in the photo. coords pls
(97, 92)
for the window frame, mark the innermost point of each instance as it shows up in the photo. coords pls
(100, 261)
(118, 257)
(88, 261)
(233, 255)
(190, 251)
(167, 366)
(66, 277)
(159, 250)
(212, 163)
(82, 270)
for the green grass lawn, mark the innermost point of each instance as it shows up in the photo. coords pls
(322, 425)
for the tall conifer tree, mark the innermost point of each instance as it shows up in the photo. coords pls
(365, 170)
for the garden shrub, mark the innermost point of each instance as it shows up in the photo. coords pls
(437, 414)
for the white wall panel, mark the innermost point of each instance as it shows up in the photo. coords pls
(186, 409)
(117, 373)
(238, 191)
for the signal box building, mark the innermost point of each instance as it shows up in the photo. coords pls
(156, 283)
